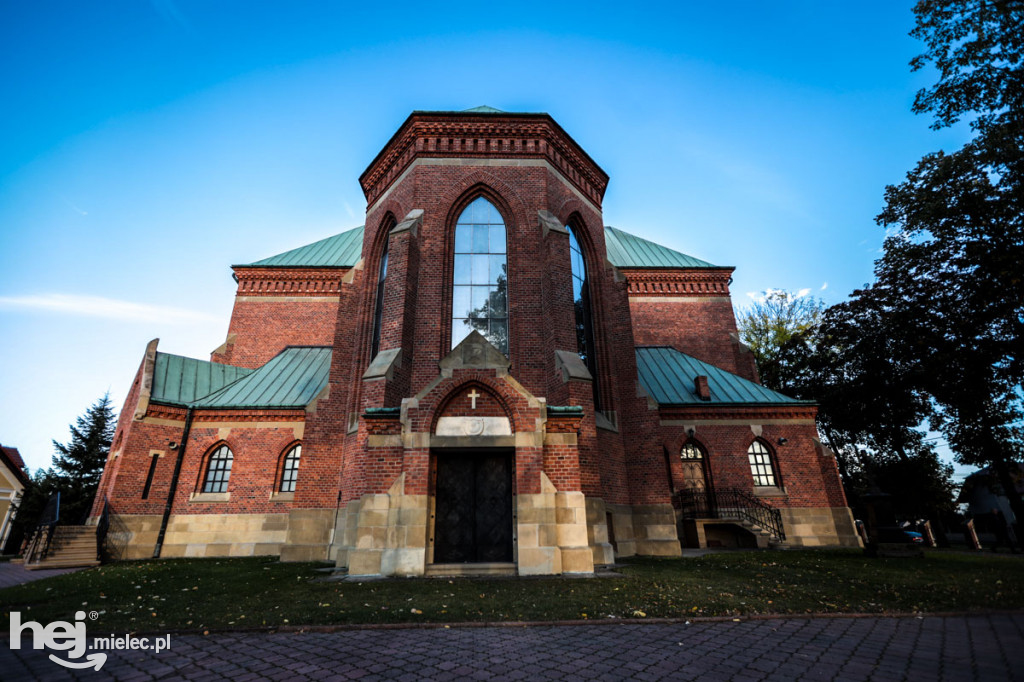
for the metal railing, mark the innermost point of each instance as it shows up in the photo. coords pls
(39, 547)
(730, 503)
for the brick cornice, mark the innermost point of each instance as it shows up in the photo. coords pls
(754, 413)
(464, 135)
(677, 281)
(159, 411)
(248, 415)
(563, 423)
(289, 281)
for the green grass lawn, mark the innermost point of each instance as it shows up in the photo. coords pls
(202, 594)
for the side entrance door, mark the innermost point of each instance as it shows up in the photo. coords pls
(473, 507)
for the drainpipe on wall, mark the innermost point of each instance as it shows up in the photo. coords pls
(174, 485)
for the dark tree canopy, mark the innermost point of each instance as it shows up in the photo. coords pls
(941, 327)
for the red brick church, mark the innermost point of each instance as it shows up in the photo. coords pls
(482, 378)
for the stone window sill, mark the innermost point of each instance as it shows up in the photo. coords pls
(282, 497)
(769, 491)
(210, 497)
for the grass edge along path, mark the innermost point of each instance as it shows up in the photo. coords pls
(260, 593)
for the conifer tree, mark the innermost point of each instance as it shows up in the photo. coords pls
(78, 464)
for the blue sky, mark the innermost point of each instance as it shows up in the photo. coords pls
(147, 146)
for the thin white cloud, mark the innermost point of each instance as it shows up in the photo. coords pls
(803, 292)
(106, 308)
(348, 208)
(824, 286)
(170, 13)
(76, 209)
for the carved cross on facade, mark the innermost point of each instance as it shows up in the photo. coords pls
(473, 395)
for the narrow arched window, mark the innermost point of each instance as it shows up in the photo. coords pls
(480, 278)
(694, 475)
(290, 470)
(584, 320)
(378, 313)
(218, 471)
(761, 466)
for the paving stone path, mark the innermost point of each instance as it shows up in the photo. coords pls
(12, 574)
(955, 648)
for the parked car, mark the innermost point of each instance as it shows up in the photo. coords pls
(894, 534)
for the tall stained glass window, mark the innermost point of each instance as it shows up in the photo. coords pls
(378, 313)
(480, 282)
(581, 302)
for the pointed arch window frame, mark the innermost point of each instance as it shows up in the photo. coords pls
(586, 345)
(382, 273)
(480, 296)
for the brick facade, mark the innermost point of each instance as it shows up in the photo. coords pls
(370, 438)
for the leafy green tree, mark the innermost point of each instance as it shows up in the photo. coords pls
(777, 328)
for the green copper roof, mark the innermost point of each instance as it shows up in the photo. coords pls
(343, 251)
(179, 381)
(290, 380)
(668, 377)
(484, 110)
(629, 251)
(340, 251)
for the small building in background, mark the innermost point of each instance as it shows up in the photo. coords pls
(13, 479)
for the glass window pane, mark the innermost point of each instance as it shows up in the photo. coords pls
(499, 307)
(479, 239)
(479, 302)
(460, 330)
(463, 269)
(492, 216)
(497, 241)
(479, 324)
(461, 301)
(480, 268)
(497, 268)
(498, 334)
(477, 210)
(463, 239)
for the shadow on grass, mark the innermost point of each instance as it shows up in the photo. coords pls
(258, 592)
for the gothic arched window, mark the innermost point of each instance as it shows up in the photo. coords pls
(378, 313)
(761, 466)
(290, 470)
(584, 320)
(218, 470)
(480, 281)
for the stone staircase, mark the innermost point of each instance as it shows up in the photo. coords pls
(69, 547)
(765, 538)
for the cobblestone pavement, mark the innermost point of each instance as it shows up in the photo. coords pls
(987, 647)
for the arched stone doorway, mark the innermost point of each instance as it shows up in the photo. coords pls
(472, 480)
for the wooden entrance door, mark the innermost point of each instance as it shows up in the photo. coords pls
(473, 508)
